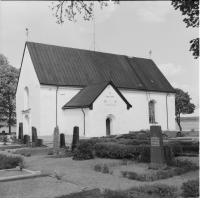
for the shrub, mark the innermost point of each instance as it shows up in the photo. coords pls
(97, 167)
(115, 151)
(7, 162)
(146, 191)
(176, 147)
(104, 168)
(127, 136)
(191, 149)
(144, 153)
(134, 142)
(190, 188)
(83, 151)
(180, 167)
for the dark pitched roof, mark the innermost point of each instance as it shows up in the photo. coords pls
(89, 94)
(65, 66)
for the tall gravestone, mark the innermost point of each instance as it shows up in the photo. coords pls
(62, 140)
(20, 134)
(27, 140)
(56, 138)
(34, 137)
(157, 152)
(75, 139)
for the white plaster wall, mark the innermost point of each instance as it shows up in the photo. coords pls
(139, 114)
(105, 105)
(28, 78)
(66, 119)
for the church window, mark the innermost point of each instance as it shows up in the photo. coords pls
(151, 112)
(26, 98)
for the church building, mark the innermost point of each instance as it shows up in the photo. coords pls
(101, 93)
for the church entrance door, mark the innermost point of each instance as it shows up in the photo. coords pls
(107, 126)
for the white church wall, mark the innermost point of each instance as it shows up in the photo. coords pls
(28, 79)
(139, 113)
(66, 119)
(105, 106)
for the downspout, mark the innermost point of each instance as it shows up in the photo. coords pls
(167, 111)
(83, 121)
(56, 106)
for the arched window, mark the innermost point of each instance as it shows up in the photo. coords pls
(26, 98)
(151, 112)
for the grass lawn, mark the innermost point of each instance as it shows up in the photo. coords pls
(78, 175)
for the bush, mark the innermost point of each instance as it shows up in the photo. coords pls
(144, 153)
(7, 162)
(127, 136)
(115, 151)
(180, 167)
(191, 149)
(83, 151)
(134, 142)
(176, 148)
(146, 191)
(190, 188)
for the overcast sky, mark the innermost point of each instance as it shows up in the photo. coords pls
(131, 28)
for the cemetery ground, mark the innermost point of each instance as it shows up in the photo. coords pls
(78, 175)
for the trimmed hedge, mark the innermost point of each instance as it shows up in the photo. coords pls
(145, 191)
(7, 162)
(179, 167)
(115, 151)
(83, 151)
(190, 149)
(121, 151)
(190, 188)
(134, 142)
(176, 147)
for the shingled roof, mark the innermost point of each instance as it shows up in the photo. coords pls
(86, 97)
(65, 66)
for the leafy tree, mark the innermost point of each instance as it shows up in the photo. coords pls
(8, 83)
(190, 8)
(182, 105)
(69, 9)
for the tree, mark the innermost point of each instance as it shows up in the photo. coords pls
(182, 105)
(190, 8)
(8, 83)
(69, 9)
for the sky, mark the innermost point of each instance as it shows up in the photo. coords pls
(131, 28)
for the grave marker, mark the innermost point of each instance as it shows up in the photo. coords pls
(157, 152)
(56, 138)
(62, 140)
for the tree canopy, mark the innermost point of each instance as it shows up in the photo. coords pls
(8, 83)
(190, 8)
(182, 105)
(69, 9)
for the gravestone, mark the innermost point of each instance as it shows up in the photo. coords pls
(168, 153)
(20, 134)
(27, 140)
(56, 138)
(34, 137)
(34, 134)
(157, 152)
(75, 137)
(39, 143)
(62, 140)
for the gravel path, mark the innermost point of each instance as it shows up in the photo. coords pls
(80, 174)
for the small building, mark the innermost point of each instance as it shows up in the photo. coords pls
(101, 93)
